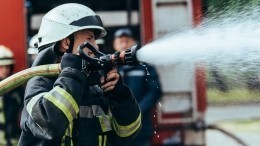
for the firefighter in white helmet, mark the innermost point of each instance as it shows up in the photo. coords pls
(32, 50)
(11, 103)
(78, 107)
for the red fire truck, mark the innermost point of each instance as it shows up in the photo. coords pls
(179, 115)
(13, 30)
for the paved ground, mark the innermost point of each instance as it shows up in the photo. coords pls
(217, 114)
(214, 138)
(227, 118)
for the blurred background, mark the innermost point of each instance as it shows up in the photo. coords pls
(205, 105)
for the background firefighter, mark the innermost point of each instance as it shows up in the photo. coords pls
(73, 109)
(144, 81)
(11, 104)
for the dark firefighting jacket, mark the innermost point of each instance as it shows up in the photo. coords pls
(145, 84)
(11, 105)
(66, 111)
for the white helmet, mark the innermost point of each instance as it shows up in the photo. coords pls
(6, 56)
(66, 19)
(32, 45)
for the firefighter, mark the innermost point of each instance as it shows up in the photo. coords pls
(76, 108)
(143, 81)
(11, 104)
(32, 51)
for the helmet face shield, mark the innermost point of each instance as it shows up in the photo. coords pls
(88, 21)
(66, 19)
(91, 21)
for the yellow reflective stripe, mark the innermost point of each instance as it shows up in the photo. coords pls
(64, 101)
(14, 141)
(65, 94)
(69, 130)
(105, 123)
(68, 133)
(63, 141)
(100, 140)
(32, 102)
(2, 138)
(1, 102)
(60, 105)
(125, 131)
(105, 140)
(2, 116)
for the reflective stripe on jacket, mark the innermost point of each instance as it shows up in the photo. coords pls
(65, 111)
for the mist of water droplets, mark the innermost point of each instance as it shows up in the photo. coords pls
(223, 42)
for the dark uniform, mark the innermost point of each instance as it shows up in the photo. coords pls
(67, 111)
(145, 85)
(11, 105)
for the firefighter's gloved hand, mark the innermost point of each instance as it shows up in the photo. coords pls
(113, 85)
(119, 87)
(74, 61)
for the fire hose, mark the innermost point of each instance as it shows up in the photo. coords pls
(201, 125)
(22, 77)
(101, 61)
(197, 126)
(238, 140)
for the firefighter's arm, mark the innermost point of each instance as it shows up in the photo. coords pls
(125, 118)
(126, 115)
(153, 91)
(52, 107)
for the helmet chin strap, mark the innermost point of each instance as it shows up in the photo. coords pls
(72, 39)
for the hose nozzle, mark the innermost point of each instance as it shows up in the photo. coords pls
(101, 61)
(127, 57)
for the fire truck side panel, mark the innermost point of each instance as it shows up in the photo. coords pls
(13, 30)
(184, 94)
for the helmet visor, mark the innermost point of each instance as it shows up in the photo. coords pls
(88, 21)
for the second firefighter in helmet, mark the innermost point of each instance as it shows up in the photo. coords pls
(11, 103)
(69, 109)
(6, 62)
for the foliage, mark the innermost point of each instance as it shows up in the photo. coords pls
(218, 8)
(234, 96)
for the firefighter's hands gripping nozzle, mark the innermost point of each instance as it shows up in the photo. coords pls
(103, 61)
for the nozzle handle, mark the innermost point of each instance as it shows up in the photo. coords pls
(91, 60)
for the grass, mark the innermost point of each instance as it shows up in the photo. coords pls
(247, 125)
(234, 96)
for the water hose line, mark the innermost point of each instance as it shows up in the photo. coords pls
(201, 125)
(215, 127)
(20, 78)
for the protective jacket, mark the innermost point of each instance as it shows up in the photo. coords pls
(67, 111)
(11, 105)
(144, 82)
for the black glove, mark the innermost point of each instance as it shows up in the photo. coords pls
(118, 93)
(74, 61)
(119, 88)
